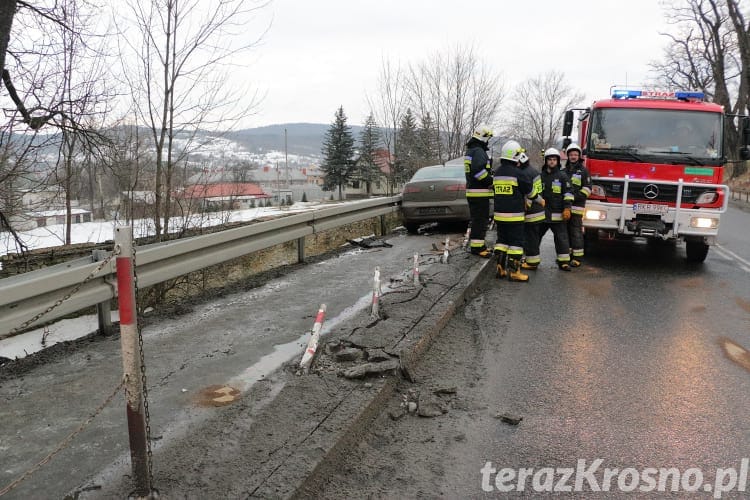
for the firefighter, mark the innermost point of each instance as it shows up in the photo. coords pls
(533, 219)
(512, 188)
(580, 183)
(478, 168)
(558, 198)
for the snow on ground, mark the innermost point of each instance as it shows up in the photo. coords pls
(100, 231)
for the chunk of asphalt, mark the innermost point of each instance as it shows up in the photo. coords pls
(361, 371)
(509, 418)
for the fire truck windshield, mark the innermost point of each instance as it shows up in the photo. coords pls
(637, 132)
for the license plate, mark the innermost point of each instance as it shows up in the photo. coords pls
(650, 208)
(432, 210)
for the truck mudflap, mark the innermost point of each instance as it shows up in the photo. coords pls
(659, 219)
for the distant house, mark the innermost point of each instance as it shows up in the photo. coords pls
(236, 195)
(51, 217)
(383, 159)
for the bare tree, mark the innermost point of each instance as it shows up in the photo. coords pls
(458, 91)
(82, 92)
(37, 42)
(180, 81)
(537, 109)
(388, 107)
(711, 52)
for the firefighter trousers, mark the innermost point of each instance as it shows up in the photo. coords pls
(562, 245)
(532, 232)
(575, 235)
(510, 238)
(479, 211)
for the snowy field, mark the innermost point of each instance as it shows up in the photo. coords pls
(95, 232)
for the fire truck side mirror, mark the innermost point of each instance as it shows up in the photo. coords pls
(568, 123)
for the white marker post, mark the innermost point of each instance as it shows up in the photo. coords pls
(312, 345)
(376, 294)
(466, 238)
(445, 250)
(415, 271)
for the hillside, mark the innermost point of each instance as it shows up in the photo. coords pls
(302, 138)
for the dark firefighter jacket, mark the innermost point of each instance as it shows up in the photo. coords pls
(580, 185)
(534, 209)
(556, 192)
(512, 189)
(478, 169)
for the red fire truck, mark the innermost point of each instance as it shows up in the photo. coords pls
(657, 162)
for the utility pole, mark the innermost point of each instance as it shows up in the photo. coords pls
(286, 161)
(278, 184)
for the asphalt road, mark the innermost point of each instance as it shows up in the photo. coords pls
(635, 362)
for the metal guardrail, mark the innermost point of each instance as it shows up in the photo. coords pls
(25, 295)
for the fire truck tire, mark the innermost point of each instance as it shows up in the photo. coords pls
(696, 250)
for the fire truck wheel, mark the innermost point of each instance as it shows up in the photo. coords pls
(696, 250)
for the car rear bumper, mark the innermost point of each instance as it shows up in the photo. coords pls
(426, 211)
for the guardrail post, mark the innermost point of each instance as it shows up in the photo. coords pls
(301, 249)
(382, 225)
(103, 309)
(131, 361)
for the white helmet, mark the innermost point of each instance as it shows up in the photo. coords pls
(552, 152)
(483, 133)
(514, 152)
(574, 147)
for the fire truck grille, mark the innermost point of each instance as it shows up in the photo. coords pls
(651, 192)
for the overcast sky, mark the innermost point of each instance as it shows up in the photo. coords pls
(318, 55)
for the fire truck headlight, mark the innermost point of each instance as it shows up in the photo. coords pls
(598, 190)
(707, 197)
(704, 222)
(595, 214)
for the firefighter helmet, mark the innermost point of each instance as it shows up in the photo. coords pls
(483, 133)
(573, 147)
(514, 152)
(552, 152)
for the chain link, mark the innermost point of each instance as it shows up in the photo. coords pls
(68, 295)
(143, 376)
(64, 443)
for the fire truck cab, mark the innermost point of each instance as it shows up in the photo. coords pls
(657, 164)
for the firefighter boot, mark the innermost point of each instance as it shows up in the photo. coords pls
(563, 266)
(483, 252)
(530, 267)
(502, 258)
(575, 262)
(501, 272)
(514, 269)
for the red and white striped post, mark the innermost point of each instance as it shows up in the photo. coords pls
(376, 293)
(415, 271)
(312, 345)
(131, 361)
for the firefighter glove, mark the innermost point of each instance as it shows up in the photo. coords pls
(566, 214)
(541, 201)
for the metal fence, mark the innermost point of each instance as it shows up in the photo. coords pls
(25, 296)
(741, 195)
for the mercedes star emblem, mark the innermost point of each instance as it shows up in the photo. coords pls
(432, 187)
(651, 191)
